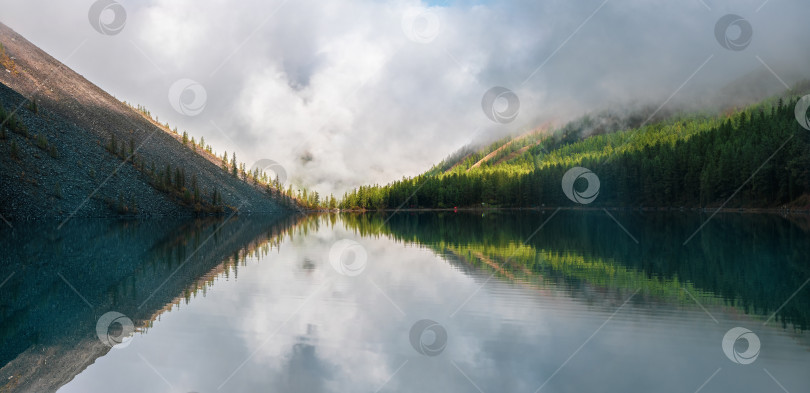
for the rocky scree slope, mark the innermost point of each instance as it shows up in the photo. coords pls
(79, 119)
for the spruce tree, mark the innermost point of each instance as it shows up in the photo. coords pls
(234, 167)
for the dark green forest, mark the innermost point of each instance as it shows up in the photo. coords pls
(698, 160)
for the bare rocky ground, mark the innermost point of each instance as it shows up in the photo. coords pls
(83, 176)
(79, 119)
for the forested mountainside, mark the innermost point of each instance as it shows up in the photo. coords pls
(687, 160)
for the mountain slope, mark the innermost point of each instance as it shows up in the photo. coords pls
(79, 120)
(755, 157)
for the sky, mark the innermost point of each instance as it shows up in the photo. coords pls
(342, 93)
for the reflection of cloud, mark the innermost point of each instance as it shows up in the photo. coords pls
(336, 314)
(304, 371)
(308, 264)
(507, 337)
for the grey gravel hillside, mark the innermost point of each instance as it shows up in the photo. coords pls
(78, 119)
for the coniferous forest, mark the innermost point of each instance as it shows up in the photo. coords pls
(760, 155)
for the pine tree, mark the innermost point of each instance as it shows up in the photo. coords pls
(215, 198)
(167, 177)
(234, 166)
(15, 150)
(113, 147)
(194, 188)
(179, 181)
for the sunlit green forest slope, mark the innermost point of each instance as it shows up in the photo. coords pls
(760, 155)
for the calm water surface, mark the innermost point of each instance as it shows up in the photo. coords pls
(516, 302)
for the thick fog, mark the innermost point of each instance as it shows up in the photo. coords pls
(343, 92)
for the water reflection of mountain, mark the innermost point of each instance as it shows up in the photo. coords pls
(753, 262)
(138, 268)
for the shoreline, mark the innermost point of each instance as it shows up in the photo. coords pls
(747, 210)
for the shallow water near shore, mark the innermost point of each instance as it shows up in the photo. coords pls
(548, 301)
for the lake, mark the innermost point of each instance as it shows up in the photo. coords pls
(502, 301)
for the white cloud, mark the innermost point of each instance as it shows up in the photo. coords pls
(337, 93)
